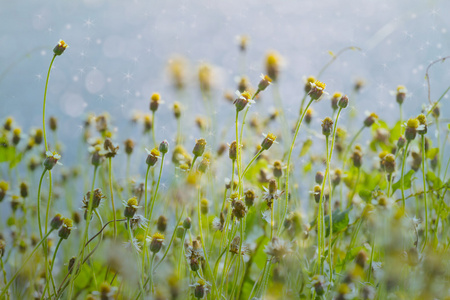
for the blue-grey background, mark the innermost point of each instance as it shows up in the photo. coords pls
(119, 50)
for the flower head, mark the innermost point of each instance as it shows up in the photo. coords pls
(277, 249)
(60, 47)
(268, 141)
(264, 83)
(52, 159)
(152, 157)
(317, 90)
(243, 99)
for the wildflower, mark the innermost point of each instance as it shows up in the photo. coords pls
(110, 148)
(205, 77)
(232, 151)
(343, 102)
(56, 222)
(161, 223)
(277, 249)
(243, 99)
(319, 284)
(16, 136)
(388, 162)
(401, 142)
(8, 124)
(359, 84)
(273, 65)
(319, 177)
(133, 243)
(317, 90)
(4, 187)
(308, 83)
(96, 199)
(152, 157)
(334, 100)
(200, 288)
(416, 161)
(148, 123)
(101, 123)
(204, 164)
(316, 192)
(16, 202)
(218, 223)
(53, 122)
(422, 129)
(129, 146)
(401, 94)
(164, 147)
(308, 115)
(357, 157)
(336, 179)
(327, 126)
(176, 110)
(154, 102)
(187, 223)
(199, 147)
(272, 193)
(411, 129)
(264, 83)
(131, 206)
(243, 42)
(38, 136)
(268, 141)
(60, 48)
(52, 159)
(97, 154)
(23, 190)
(239, 209)
(66, 228)
(370, 119)
(156, 242)
(243, 84)
(177, 68)
(106, 292)
(138, 221)
(277, 169)
(194, 254)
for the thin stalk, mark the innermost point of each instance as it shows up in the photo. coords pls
(85, 235)
(45, 99)
(51, 268)
(424, 192)
(250, 163)
(4, 275)
(39, 203)
(288, 165)
(402, 177)
(355, 187)
(146, 192)
(238, 150)
(5, 289)
(112, 196)
(371, 259)
(153, 129)
(441, 204)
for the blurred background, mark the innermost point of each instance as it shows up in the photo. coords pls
(119, 52)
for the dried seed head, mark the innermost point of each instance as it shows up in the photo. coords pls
(23, 189)
(161, 224)
(232, 151)
(129, 146)
(203, 166)
(234, 246)
(327, 126)
(357, 158)
(249, 198)
(199, 147)
(272, 186)
(319, 177)
(53, 123)
(277, 169)
(239, 209)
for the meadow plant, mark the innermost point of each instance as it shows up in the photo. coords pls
(369, 229)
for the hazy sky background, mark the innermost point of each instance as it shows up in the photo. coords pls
(118, 53)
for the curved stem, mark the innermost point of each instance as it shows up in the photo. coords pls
(250, 163)
(45, 98)
(288, 165)
(39, 203)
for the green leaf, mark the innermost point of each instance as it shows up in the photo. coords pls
(432, 153)
(407, 181)
(395, 132)
(306, 146)
(433, 179)
(7, 154)
(260, 256)
(340, 221)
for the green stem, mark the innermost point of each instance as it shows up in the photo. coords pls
(250, 163)
(4, 275)
(51, 267)
(153, 129)
(371, 259)
(5, 289)
(424, 192)
(355, 187)
(238, 151)
(45, 98)
(39, 203)
(402, 177)
(146, 192)
(288, 165)
(112, 196)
